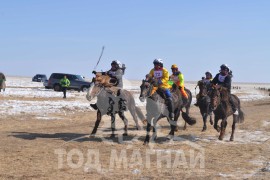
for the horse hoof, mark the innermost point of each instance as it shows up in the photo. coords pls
(211, 122)
(220, 138)
(144, 122)
(176, 129)
(185, 128)
(112, 136)
(231, 139)
(204, 129)
(125, 134)
(145, 143)
(92, 135)
(169, 137)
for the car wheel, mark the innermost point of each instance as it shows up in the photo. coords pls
(84, 89)
(57, 87)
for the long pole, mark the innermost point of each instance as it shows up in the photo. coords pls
(103, 47)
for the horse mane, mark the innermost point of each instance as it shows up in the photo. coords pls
(224, 93)
(104, 80)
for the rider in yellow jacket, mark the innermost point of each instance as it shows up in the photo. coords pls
(161, 76)
(178, 78)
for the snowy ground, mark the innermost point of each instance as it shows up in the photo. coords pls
(25, 96)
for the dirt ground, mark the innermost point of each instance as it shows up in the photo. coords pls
(58, 147)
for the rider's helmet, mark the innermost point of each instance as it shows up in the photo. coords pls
(117, 63)
(158, 62)
(208, 73)
(174, 66)
(224, 67)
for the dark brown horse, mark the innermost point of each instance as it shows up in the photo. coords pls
(156, 109)
(222, 110)
(112, 101)
(204, 103)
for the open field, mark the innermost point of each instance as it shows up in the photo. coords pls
(46, 137)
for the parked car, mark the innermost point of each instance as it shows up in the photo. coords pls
(76, 82)
(45, 83)
(39, 78)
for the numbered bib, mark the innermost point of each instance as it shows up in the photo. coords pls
(221, 78)
(158, 74)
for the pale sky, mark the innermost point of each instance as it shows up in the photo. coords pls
(46, 36)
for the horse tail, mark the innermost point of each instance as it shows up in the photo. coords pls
(241, 115)
(189, 97)
(190, 120)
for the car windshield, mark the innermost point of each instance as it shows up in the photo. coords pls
(80, 78)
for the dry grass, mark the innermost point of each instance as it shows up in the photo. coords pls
(28, 147)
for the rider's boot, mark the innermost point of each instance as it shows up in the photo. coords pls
(94, 106)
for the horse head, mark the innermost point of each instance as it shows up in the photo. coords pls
(146, 88)
(94, 90)
(218, 94)
(203, 88)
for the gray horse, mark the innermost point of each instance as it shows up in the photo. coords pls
(112, 101)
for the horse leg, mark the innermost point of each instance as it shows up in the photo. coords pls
(211, 119)
(204, 122)
(148, 128)
(97, 123)
(216, 126)
(223, 128)
(154, 136)
(173, 124)
(176, 118)
(233, 128)
(124, 119)
(113, 125)
(185, 126)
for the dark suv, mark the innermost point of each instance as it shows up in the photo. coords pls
(39, 78)
(77, 82)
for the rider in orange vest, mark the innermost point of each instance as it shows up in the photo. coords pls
(178, 78)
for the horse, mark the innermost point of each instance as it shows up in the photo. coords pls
(112, 101)
(204, 103)
(222, 109)
(2, 82)
(156, 108)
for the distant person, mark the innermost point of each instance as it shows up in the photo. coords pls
(65, 83)
(2, 82)
(224, 79)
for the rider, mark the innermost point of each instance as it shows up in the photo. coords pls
(224, 79)
(161, 76)
(207, 80)
(116, 72)
(178, 78)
